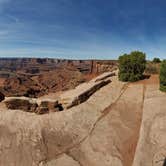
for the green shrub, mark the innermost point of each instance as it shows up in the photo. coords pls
(132, 66)
(156, 60)
(163, 76)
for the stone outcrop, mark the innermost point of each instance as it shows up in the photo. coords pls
(32, 105)
(105, 76)
(48, 105)
(21, 103)
(27, 139)
(82, 92)
(105, 66)
(66, 100)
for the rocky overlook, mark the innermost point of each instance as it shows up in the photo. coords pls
(117, 124)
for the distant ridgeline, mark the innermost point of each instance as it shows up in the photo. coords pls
(37, 65)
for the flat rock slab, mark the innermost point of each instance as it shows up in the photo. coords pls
(104, 76)
(113, 138)
(151, 148)
(82, 92)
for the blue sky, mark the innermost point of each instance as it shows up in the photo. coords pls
(82, 29)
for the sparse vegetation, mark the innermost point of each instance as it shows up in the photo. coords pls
(156, 60)
(163, 76)
(132, 66)
(152, 68)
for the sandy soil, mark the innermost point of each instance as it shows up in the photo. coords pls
(153, 79)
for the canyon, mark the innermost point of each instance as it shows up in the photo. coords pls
(34, 77)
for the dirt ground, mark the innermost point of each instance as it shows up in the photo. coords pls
(153, 79)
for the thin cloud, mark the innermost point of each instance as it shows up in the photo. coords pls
(13, 18)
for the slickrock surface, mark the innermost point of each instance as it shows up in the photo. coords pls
(27, 139)
(151, 149)
(102, 131)
(112, 140)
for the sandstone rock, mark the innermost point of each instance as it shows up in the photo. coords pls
(40, 106)
(151, 148)
(28, 139)
(100, 131)
(48, 106)
(103, 131)
(64, 160)
(82, 92)
(104, 76)
(112, 140)
(21, 103)
(103, 66)
(51, 104)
